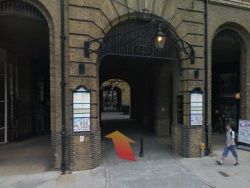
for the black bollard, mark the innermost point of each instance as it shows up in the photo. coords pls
(141, 150)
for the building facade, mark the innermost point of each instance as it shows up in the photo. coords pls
(33, 48)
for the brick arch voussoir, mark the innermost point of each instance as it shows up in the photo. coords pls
(222, 24)
(40, 6)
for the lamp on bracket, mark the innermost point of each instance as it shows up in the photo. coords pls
(163, 32)
(160, 39)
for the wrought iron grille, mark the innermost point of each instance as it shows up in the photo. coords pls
(21, 9)
(136, 38)
(228, 35)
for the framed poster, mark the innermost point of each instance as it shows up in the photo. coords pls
(196, 107)
(81, 110)
(244, 131)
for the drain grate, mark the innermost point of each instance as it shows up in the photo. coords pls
(223, 174)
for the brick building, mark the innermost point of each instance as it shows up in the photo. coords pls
(33, 48)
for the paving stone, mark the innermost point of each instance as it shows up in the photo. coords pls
(159, 168)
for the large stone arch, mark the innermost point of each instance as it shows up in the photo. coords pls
(165, 124)
(244, 35)
(93, 20)
(163, 8)
(221, 17)
(43, 9)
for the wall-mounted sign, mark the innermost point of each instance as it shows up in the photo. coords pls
(244, 131)
(196, 107)
(81, 110)
(81, 138)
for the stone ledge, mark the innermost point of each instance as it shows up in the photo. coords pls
(235, 4)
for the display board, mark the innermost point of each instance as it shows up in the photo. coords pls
(244, 131)
(196, 109)
(81, 110)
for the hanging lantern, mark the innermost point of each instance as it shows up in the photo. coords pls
(160, 39)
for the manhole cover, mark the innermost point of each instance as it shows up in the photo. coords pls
(223, 174)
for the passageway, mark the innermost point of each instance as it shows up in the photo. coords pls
(24, 90)
(226, 66)
(31, 156)
(24, 74)
(151, 83)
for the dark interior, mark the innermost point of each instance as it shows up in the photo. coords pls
(27, 43)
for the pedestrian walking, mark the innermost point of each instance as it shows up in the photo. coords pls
(217, 121)
(223, 118)
(230, 146)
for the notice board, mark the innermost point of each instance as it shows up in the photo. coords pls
(81, 110)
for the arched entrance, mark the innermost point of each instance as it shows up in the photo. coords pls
(115, 99)
(151, 73)
(226, 64)
(24, 74)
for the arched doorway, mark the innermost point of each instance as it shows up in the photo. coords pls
(25, 71)
(226, 64)
(115, 97)
(151, 73)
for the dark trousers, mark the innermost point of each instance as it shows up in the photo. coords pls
(218, 125)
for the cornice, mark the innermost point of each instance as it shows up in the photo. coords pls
(232, 3)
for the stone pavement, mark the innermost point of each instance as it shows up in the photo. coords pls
(207, 169)
(30, 156)
(28, 167)
(114, 115)
(158, 168)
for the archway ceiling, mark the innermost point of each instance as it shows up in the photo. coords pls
(225, 52)
(25, 37)
(113, 66)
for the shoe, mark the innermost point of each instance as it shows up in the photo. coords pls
(219, 163)
(236, 164)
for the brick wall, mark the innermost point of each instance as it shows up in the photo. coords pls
(192, 136)
(162, 119)
(85, 20)
(176, 143)
(84, 155)
(187, 140)
(88, 20)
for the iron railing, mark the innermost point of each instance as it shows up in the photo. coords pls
(21, 9)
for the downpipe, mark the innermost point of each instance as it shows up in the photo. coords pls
(63, 134)
(206, 78)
